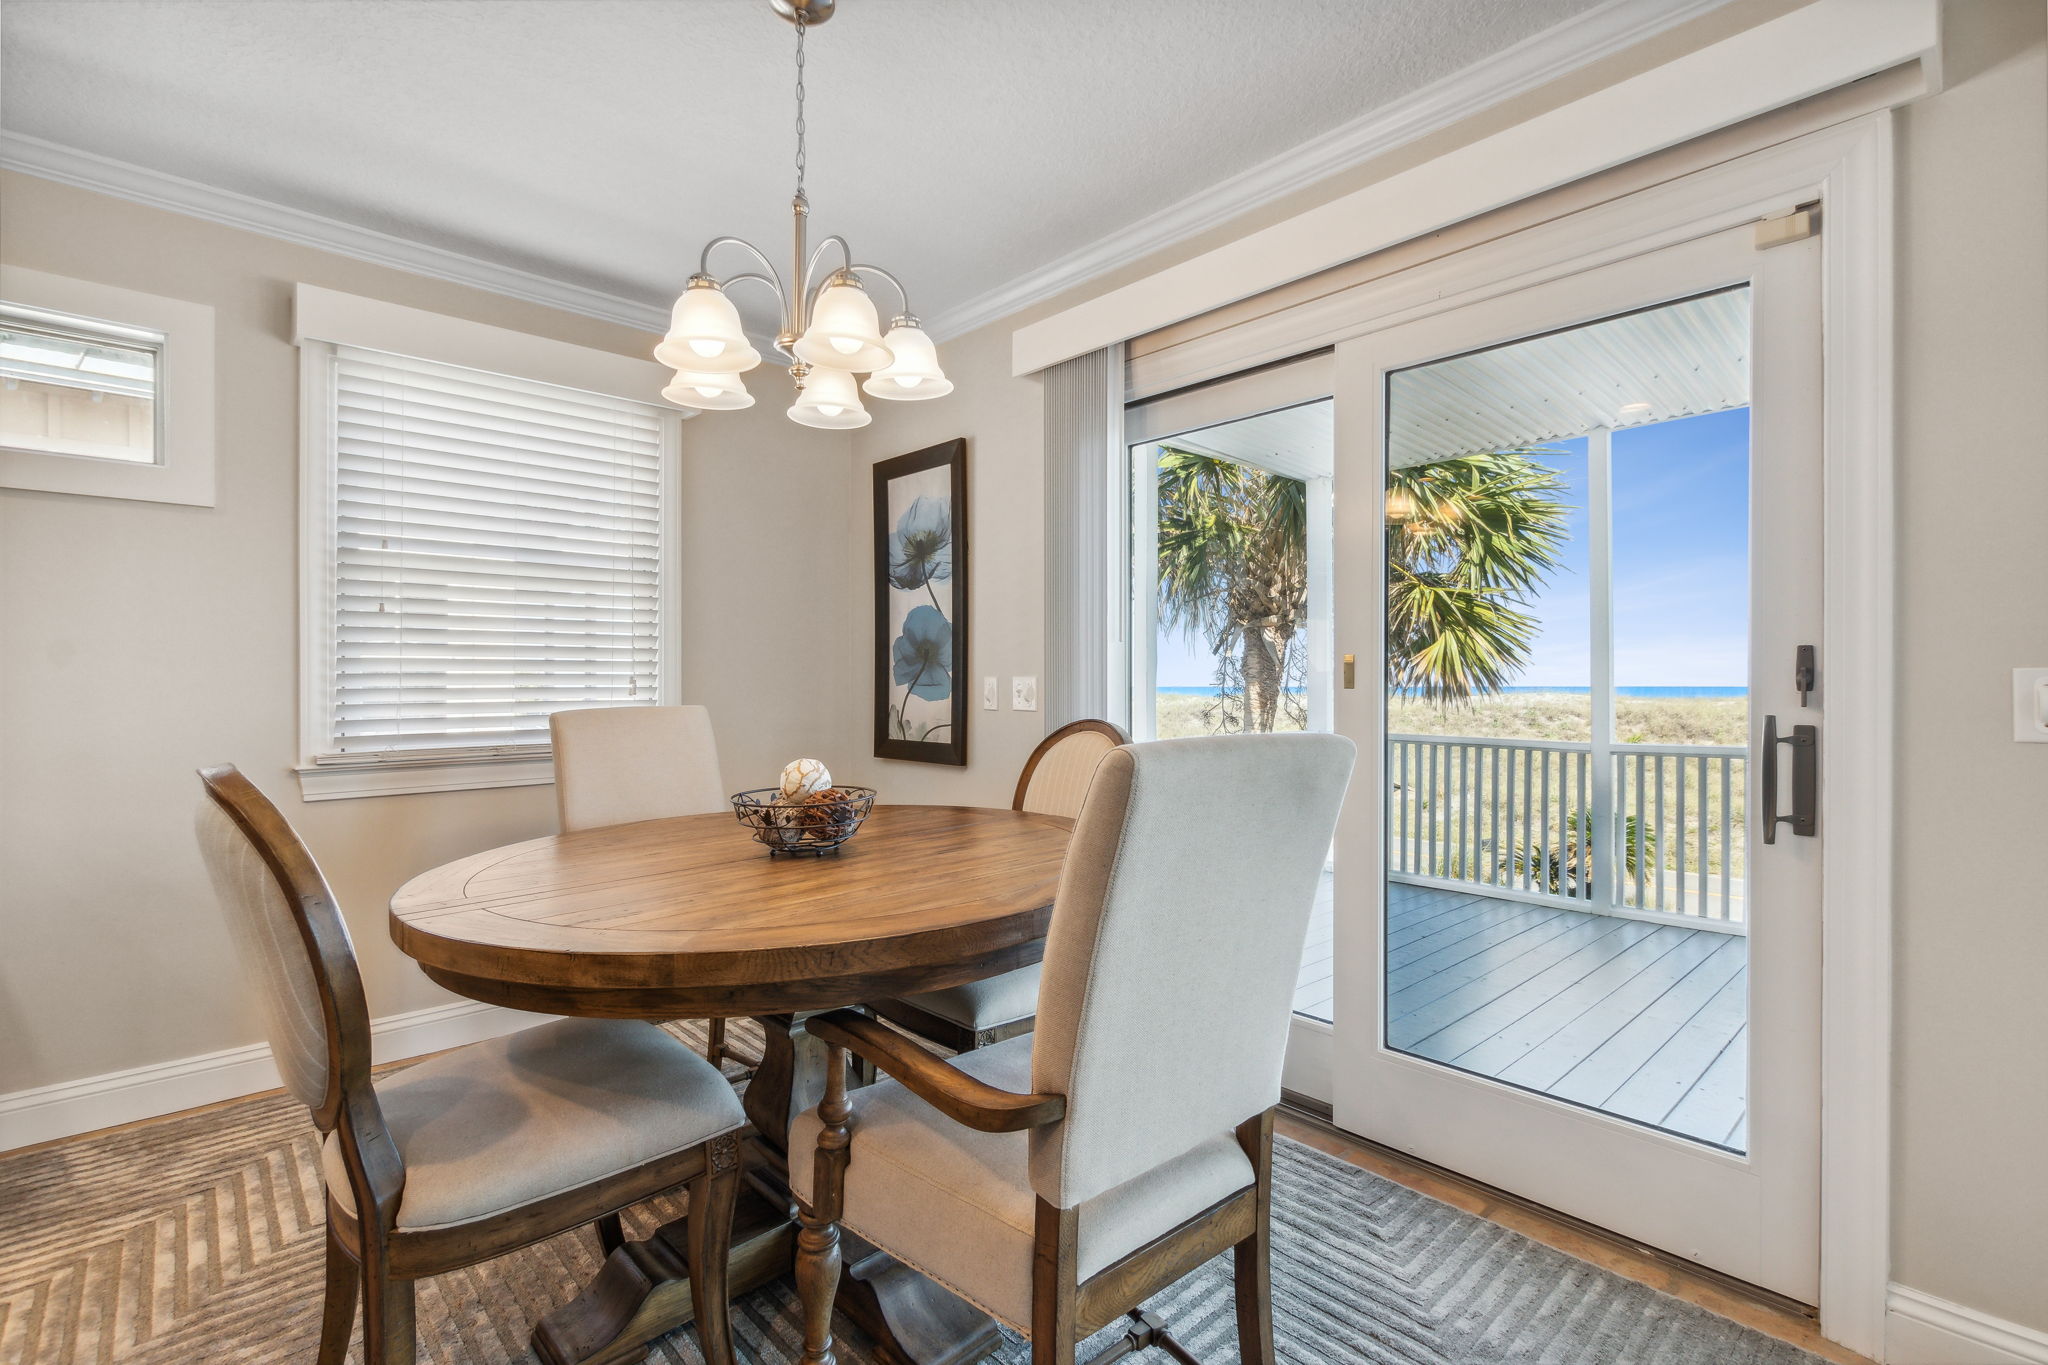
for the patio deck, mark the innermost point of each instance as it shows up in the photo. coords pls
(1643, 1020)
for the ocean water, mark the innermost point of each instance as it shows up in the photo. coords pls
(1581, 691)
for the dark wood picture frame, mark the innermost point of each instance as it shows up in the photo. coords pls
(894, 696)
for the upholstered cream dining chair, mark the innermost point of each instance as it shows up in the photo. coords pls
(961, 1018)
(476, 1152)
(1058, 1179)
(618, 764)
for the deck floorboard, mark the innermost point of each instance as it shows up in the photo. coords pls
(1644, 1020)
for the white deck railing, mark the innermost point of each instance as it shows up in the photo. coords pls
(1522, 817)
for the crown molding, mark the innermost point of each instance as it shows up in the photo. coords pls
(1536, 60)
(1542, 57)
(123, 180)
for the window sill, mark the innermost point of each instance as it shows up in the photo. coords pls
(335, 782)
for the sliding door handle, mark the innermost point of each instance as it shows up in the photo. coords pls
(1805, 742)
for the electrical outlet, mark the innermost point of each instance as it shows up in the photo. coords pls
(988, 694)
(1023, 694)
(2030, 705)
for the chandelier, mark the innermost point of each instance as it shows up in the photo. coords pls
(830, 330)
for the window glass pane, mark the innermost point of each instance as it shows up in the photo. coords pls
(72, 391)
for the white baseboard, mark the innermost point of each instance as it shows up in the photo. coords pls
(81, 1106)
(1921, 1329)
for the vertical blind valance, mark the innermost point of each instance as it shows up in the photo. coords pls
(498, 556)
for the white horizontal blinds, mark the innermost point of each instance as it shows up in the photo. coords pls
(498, 557)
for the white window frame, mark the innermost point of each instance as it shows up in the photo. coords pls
(325, 320)
(182, 471)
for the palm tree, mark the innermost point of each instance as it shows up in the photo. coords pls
(1233, 565)
(1467, 540)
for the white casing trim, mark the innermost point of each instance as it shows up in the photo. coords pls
(94, 1102)
(1921, 1329)
(124, 180)
(1535, 61)
(1816, 48)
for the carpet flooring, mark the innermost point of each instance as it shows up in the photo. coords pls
(197, 1241)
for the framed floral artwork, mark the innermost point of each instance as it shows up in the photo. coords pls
(921, 605)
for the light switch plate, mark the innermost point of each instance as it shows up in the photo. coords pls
(988, 694)
(2030, 705)
(1023, 694)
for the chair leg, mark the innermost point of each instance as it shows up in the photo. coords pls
(338, 1315)
(817, 1243)
(817, 1285)
(1054, 1288)
(712, 1197)
(388, 1332)
(1253, 1257)
(714, 1047)
(611, 1234)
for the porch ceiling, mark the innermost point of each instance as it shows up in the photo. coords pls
(1678, 360)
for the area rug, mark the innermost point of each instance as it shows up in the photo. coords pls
(197, 1241)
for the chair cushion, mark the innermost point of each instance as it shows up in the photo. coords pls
(498, 1124)
(990, 1003)
(958, 1205)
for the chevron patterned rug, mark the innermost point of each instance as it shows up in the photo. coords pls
(198, 1240)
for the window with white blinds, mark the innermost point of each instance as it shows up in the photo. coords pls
(496, 554)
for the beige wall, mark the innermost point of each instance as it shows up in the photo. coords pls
(141, 640)
(1971, 1212)
(1002, 420)
(1971, 1217)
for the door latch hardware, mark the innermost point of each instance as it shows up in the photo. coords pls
(1803, 674)
(1805, 742)
(1350, 671)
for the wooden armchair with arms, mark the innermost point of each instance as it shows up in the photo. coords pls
(962, 1018)
(1058, 1180)
(475, 1152)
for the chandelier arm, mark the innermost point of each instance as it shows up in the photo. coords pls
(845, 257)
(902, 296)
(704, 257)
(781, 299)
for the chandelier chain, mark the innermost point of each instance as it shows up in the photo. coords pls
(800, 101)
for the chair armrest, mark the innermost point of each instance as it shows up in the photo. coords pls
(946, 1088)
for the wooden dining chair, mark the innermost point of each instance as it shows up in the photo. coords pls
(1059, 1179)
(961, 1018)
(618, 764)
(475, 1152)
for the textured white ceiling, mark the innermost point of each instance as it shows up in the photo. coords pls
(601, 141)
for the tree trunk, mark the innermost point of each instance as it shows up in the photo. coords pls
(1261, 680)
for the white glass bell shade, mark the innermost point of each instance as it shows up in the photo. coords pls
(704, 335)
(709, 391)
(844, 333)
(830, 401)
(914, 374)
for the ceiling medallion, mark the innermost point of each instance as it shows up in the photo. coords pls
(830, 330)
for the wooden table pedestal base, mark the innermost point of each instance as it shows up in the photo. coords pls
(643, 1292)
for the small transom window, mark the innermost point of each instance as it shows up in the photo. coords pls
(78, 387)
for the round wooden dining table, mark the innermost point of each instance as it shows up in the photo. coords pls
(689, 918)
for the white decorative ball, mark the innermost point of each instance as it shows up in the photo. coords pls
(804, 776)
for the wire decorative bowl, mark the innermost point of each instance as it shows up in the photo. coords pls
(813, 825)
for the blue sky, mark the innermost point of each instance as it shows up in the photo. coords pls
(1681, 565)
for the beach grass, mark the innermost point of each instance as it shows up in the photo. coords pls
(1520, 715)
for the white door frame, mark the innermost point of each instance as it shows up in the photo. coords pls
(1848, 170)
